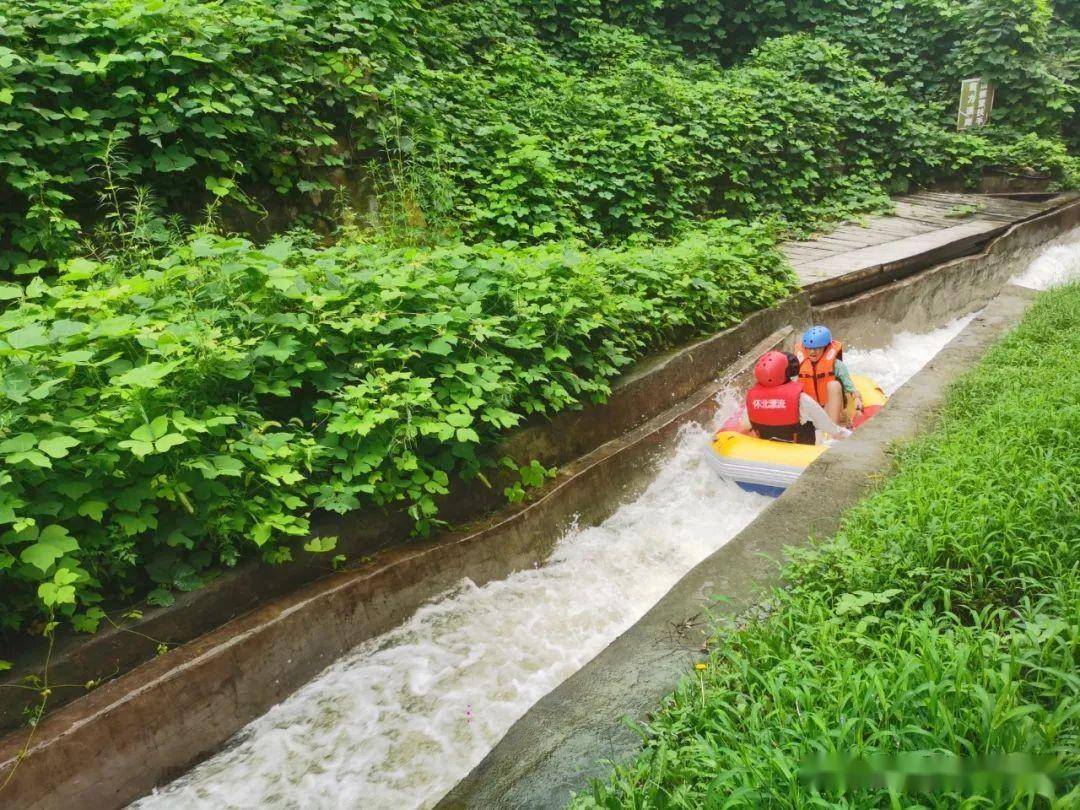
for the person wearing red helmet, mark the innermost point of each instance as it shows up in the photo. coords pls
(778, 408)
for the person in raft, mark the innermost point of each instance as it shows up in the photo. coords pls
(778, 408)
(823, 374)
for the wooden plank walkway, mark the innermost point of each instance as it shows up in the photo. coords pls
(928, 226)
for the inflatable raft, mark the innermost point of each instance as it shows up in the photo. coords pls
(768, 467)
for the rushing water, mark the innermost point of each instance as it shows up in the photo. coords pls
(397, 721)
(1057, 264)
(895, 364)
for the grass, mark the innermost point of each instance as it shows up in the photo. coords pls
(942, 619)
(961, 211)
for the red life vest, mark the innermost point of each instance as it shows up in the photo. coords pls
(815, 377)
(774, 413)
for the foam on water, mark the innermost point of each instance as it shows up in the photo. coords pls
(908, 352)
(396, 722)
(1058, 264)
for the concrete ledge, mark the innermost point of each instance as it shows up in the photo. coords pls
(934, 296)
(564, 740)
(875, 266)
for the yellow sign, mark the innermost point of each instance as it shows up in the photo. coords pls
(976, 100)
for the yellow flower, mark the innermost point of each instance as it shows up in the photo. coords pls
(701, 666)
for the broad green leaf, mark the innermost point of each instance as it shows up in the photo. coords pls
(194, 56)
(58, 537)
(220, 186)
(144, 376)
(79, 269)
(88, 622)
(76, 358)
(139, 449)
(74, 489)
(167, 441)
(467, 435)
(28, 337)
(19, 444)
(261, 533)
(64, 576)
(93, 509)
(148, 432)
(320, 545)
(41, 555)
(32, 457)
(43, 390)
(172, 160)
(227, 465)
(66, 328)
(57, 446)
(52, 594)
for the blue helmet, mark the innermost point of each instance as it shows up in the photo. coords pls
(817, 337)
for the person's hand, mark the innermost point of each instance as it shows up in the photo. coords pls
(858, 403)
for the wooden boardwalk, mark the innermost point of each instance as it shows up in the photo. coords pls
(927, 227)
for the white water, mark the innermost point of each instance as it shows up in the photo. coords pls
(396, 722)
(1058, 264)
(908, 352)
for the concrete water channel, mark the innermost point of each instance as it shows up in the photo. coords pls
(445, 645)
(574, 732)
(397, 721)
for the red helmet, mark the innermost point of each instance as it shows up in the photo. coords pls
(772, 369)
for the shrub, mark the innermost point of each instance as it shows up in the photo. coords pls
(193, 96)
(514, 120)
(925, 46)
(156, 423)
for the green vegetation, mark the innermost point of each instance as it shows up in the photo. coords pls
(451, 216)
(507, 119)
(924, 46)
(160, 423)
(941, 618)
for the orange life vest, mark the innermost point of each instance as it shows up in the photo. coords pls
(815, 377)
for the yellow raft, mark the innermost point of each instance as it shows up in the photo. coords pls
(770, 467)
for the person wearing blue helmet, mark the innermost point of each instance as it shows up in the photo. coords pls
(823, 373)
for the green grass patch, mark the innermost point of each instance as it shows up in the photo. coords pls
(943, 618)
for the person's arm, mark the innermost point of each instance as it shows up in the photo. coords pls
(810, 411)
(844, 376)
(840, 369)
